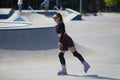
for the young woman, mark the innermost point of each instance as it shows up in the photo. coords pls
(66, 43)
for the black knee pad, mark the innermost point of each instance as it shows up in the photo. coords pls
(61, 55)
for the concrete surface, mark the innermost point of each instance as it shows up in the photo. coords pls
(31, 54)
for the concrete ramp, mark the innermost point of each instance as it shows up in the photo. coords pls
(34, 17)
(19, 19)
(72, 15)
(11, 18)
(5, 13)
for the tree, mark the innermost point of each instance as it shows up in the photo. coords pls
(111, 3)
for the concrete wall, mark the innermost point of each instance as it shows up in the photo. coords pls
(28, 39)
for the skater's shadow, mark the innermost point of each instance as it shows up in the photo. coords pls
(94, 76)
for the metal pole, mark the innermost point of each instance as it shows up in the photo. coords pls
(80, 7)
(57, 3)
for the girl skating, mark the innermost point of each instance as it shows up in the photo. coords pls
(66, 43)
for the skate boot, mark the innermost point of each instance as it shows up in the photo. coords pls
(63, 71)
(86, 66)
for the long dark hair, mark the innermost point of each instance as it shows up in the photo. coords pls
(60, 16)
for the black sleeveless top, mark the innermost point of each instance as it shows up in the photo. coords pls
(60, 29)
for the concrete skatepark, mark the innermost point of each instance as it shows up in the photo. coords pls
(29, 52)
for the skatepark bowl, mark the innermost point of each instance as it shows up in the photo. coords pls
(28, 45)
(30, 28)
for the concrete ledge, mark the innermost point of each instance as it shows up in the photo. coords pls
(5, 13)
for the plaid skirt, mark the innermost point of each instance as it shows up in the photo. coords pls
(66, 43)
